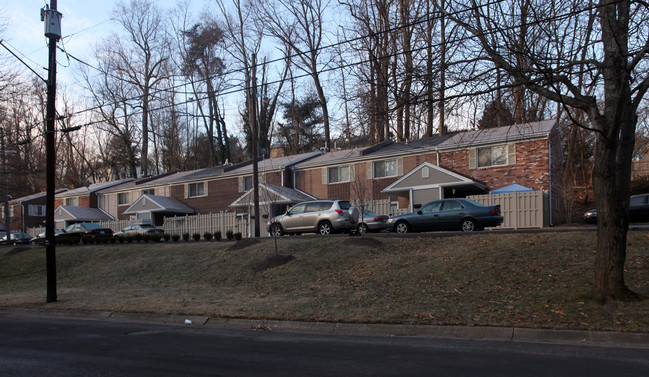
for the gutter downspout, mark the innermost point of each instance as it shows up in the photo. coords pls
(22, 217)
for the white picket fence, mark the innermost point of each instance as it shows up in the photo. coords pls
(210, 222)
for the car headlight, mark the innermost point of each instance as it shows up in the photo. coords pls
(390, 220)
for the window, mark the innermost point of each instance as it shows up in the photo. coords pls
(431, 207)
(195, 189)
(36, 210)
(338, 174)
(11, 211)
(451, 205)
(492, 156)
(387, 168)
(72, 202)
(123, 198)
(148, 192)
(247, 183)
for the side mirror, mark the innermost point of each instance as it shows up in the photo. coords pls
(419, 212)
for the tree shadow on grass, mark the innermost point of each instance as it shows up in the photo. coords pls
(272, 262)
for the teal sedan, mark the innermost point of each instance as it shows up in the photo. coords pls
(447, 214)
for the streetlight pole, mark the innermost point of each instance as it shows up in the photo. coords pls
(52, 20)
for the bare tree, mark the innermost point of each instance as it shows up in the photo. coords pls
(563, 40)
(141, 58)
(299, 24)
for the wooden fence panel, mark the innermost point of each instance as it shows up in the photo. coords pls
(519, 209)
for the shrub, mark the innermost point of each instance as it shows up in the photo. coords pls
(207, 236)
(185, 236)
(217, 235)
(166, 237)
(229, 235)
(139, 237)
(237, 236)
(175, 237)
(196, 236)
(120, 238)
(155, 237)
(129, 238)
(87, 240)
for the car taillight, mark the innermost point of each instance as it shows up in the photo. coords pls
(340, 212)
(379, 219)
(494, 212)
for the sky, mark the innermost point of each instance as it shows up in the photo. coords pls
(84, 23)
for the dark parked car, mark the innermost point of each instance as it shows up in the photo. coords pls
(40, 238)
(447, 214)
(16, 238)
(319, 216)
(86, 229)
(144, 229)
(638, 210)
(371, 222)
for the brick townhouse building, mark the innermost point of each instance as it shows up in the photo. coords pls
(408, 174)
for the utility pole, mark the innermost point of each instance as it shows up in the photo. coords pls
(7, 213)
(52, 19)
(254, 141)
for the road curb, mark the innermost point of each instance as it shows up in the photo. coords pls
(509, 334)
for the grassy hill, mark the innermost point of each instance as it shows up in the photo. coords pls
(528, 280)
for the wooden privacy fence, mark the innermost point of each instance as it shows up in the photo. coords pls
(519, 209)
(381, 206)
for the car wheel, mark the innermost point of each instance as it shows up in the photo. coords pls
(361, 228)
(324, 228)
(468, 225)
(276, 230)
(402, 227)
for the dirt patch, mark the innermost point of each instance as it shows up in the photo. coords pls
(362, 241)
(272, 262)
(243, 243)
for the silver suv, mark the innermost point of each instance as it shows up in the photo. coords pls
(319, 216)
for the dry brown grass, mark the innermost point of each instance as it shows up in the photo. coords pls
(537, 280)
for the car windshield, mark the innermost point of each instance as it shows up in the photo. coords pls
(146, 226)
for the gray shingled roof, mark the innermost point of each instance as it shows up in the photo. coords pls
(86, 214)
(93, 188)
(166, 203)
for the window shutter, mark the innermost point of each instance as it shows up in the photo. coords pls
(205, 186)
(240, 182)
(399, 166)
(186, 190)
(511, 154)
(352, 173)
(472, 158)
(325, 178)
(369, 170)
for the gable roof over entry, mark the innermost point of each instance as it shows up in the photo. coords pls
(272, 194)
(80, 214)
(427, 175)
(158, 204)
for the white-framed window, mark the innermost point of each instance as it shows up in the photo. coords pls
(72, 202)
(123, 198)
(338, 174)
(36, 210)
(386, 168)
(247, 183)
(196, 189)
(11, 211)
(148, 192)
(492, 156)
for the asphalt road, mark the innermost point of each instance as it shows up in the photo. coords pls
(34, 346)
